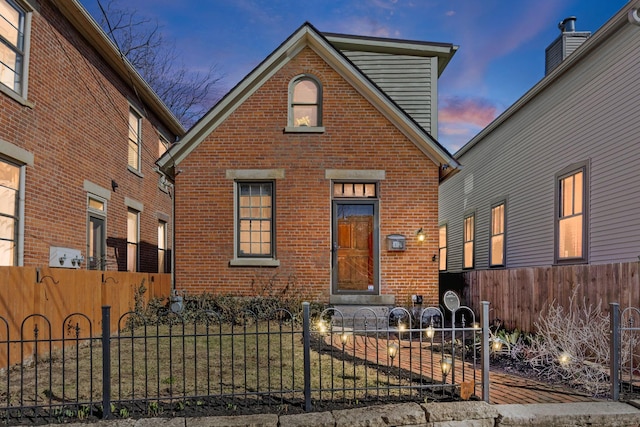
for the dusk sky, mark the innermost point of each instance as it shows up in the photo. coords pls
(500, 55)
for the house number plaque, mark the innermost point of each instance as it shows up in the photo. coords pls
(451, 300)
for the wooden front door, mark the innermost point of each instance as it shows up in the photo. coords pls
(354, 252)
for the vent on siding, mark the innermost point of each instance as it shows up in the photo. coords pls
(568, 41)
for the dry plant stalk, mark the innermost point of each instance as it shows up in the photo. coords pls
(573, 345)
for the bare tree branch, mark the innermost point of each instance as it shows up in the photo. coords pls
(188, 94)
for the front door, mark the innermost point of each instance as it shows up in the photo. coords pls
(354, 249)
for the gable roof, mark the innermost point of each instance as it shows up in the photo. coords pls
(91, 31)
(621, 18)
(307, 36)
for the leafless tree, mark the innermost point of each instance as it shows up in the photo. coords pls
(187, 92)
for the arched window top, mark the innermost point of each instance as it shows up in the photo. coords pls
(305, 102)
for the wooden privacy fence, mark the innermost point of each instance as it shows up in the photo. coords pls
(518, 296)
(55, 293)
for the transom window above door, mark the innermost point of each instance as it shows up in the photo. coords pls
(355, 189)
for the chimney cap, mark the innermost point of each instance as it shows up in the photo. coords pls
(568, 25)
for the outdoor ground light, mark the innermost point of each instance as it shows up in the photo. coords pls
(476, 325)
(392, 350)
(421, 235)
(430, 331)
(497, 345)
(322, 327)
(401, 327)
(344, 338)
(445, 366)
(564, 358)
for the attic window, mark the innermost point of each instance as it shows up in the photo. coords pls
(305, 105)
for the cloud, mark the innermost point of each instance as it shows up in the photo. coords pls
(367, 27)
(475, 111)
(461, 118)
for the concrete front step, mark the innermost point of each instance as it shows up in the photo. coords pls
(361, 317)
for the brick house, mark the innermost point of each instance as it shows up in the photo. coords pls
(315, 174)
(80, 132)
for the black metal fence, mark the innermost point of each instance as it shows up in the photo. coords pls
(267, 362)
(624, 352)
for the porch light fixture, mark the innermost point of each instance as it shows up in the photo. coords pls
(445, 366)
(392, 351)
(421, 235)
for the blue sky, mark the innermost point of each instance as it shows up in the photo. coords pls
(501, 42)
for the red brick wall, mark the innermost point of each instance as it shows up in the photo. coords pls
(77, 130)
(357, 136)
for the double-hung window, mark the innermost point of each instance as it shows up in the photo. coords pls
(133, 238)
(255, 220)
(135, 139)
(468, 239)
(163, 262)
(12, 45)
(442, 248)
(570, 216)
(9, 212)
(497, 236)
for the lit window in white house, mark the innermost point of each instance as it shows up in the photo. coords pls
(468, 237)
(9, 211)
(442, 249)
(133, 236)
(571, 216)
(305, 103)
(135, 139)
(255, 219)
(12, 30)
(497, 235)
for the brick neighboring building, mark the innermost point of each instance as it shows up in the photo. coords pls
(77, 179)
(306, 174)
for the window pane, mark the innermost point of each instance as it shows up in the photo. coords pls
(468, 255)
(11, 24)
(577, 208)
(8, 201)
(497, 250)
(566, 188)
(7, 253)
(9, 175)
(443, 259)
(96, 204)
(570, 237)
(132, 227)
(305, 92)
(305, 115)
(443, 236)
(7, 228)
